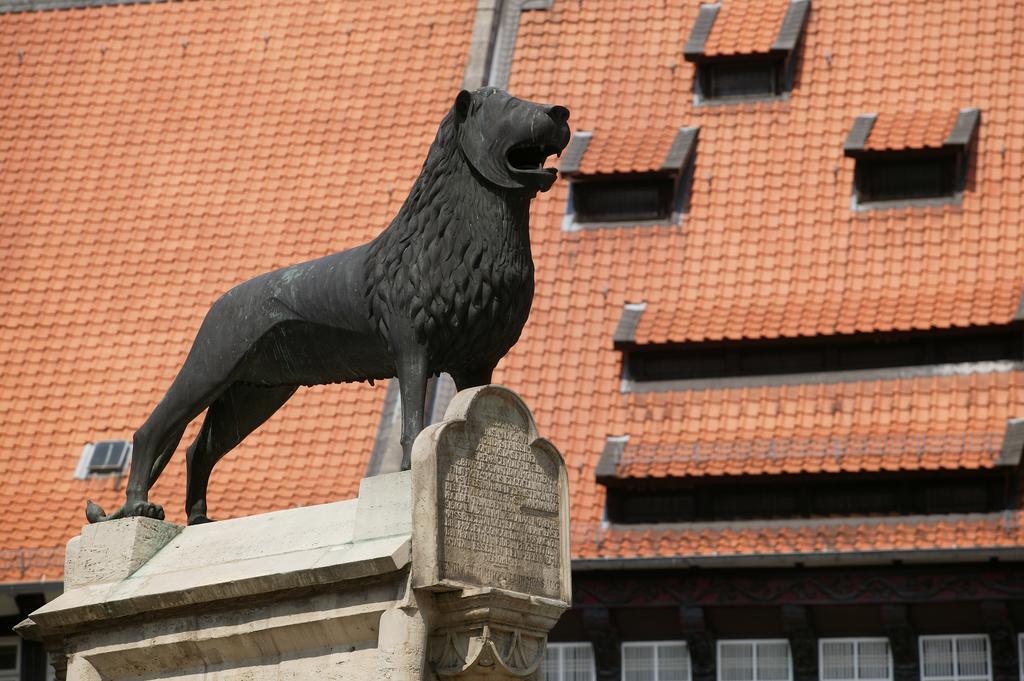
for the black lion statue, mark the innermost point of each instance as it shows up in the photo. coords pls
(447, 287)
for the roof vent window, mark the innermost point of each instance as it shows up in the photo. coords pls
(906, 178)
(741, 79)
(905, 159)
(624, 200)
(104, 458)
(10, 658)
(640, 178)
(746, 52)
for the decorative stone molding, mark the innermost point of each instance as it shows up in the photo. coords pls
(488, 633)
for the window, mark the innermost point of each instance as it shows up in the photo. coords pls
(911, 156)
(105, 456)
(617, 180)
(855, 659)
(747, 79)
(854, 352)
(740, 68)
(10, 658)
(765, 660)
(955, 658)
(569, 662)
(1020, 654)
(906, 177)
(655, 661)
(629, 199)
(767, 496)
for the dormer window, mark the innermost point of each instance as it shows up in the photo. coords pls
(105, 457)
(620, 200)
(745, 52)
(640, 178)
(745, 78)
(911, 159)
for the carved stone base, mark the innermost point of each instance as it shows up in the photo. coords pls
(456, 569)
(491, 634)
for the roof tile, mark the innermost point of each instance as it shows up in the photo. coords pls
(745, 27)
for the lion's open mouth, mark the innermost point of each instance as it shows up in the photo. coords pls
(531, 157)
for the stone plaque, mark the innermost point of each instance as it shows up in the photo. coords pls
(491, 500)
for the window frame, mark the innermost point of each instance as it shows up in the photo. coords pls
(1020, 654)
(570, 644)
(666, 184)
(678, 200)
(954, 169)
(656, 645)
(954, 638)
(84, 469)
(755, 642)
(708, 68)
(856, 641)
(12, 674)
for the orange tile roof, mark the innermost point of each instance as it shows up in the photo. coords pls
(983, 531)
(281, 143)
(745, 27)
(153, 156)
(924, 423)
(771, 248)
(911, 130)
(627, 151)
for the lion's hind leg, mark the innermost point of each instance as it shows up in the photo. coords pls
(193, 389)
(241, 409)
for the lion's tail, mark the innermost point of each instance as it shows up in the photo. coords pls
(95, 514)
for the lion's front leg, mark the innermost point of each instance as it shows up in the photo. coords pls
(412, 383)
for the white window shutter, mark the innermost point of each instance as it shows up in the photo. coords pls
(955, 658)
(735, 661)
(837, 661)
(873, 660)
(773, 661)
(937, 658)
(552, 663)
(972, 657)
(673, 662)
(638, 663)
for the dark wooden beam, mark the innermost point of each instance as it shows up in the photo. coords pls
(902, 641)
(802, 642)
(700, 641)
(827, 586)
(33, 656)
(1003, 638)
(603, 634)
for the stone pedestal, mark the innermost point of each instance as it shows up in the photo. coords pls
(454, 570)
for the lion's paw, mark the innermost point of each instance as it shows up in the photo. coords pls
(144, 509)
(199, 520)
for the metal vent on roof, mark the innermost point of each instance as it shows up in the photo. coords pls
(104, 457)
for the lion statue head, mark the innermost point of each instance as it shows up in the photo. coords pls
(508, 140)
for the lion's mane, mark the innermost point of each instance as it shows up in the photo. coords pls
(455, 261)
